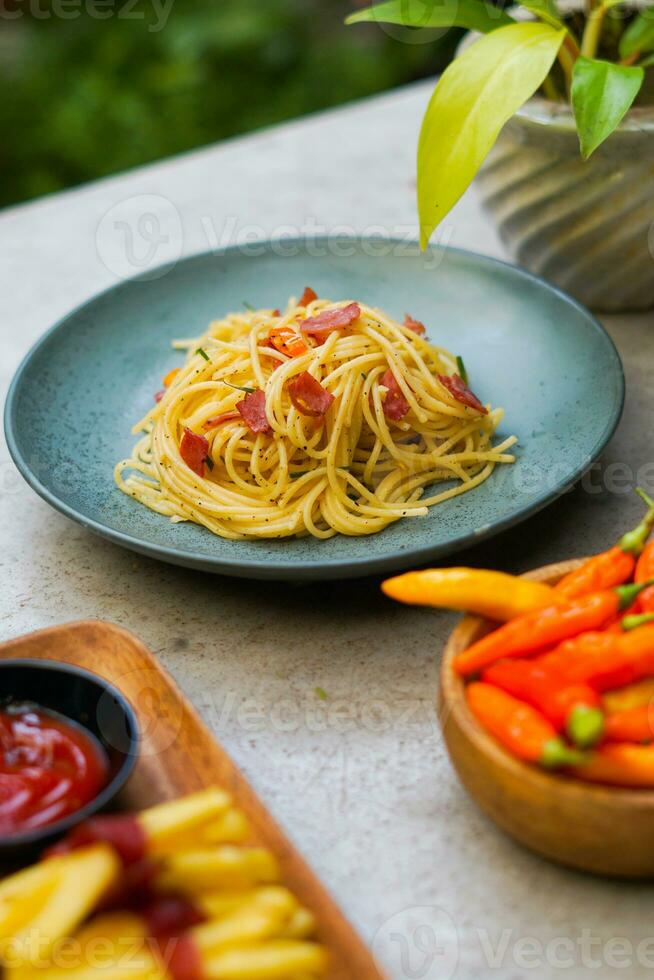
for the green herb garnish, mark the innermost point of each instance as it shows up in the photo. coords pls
(463, 374)
(248, 391)
(298, 473)
(321, 693)
(248, 306)
(364, 375)
(208, 460)
(202, 352)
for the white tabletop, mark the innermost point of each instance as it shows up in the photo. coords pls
(361, 780)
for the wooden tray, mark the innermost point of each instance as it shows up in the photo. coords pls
(179, 755)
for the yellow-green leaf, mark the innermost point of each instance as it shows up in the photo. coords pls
(475, 15)
(476, 95)
(601, 94)
(544, 9)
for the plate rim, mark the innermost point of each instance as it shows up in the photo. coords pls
(305, 568)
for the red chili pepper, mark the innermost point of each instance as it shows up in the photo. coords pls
(574, 708)
(612, 567)
(415, 325)
(544, 628)
(631, 725)
(194, 450)
(288, 341)
(519, 727)
(307, 296)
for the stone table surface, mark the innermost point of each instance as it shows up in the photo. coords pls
(366, 790)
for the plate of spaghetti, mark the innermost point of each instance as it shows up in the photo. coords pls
(229, 417)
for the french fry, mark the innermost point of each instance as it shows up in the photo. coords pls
(229, 827)
(263, 917)
(213, 869)
(277, 960)
(167, 823)
(82, 878)
(301, 926)
(24, 892)
(216, 905)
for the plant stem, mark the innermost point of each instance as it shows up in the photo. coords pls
(593, 31)
(568, 54)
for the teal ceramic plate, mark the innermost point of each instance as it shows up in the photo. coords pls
(526, 346)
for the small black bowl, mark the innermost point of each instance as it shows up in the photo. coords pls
(94, 704)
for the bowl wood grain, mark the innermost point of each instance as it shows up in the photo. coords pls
(601, 829)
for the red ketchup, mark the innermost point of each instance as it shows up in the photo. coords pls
(49, 767)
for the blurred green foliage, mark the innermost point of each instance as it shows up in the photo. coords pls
(84, 96)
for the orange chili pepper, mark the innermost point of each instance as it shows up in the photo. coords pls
(646, 564)
(612, 567)
(604, 660)
(633, 725)
(536, 631)
(519, 727)
(307, 296)
(288, 340)
(170, 377)
(492, 594)
(619, 764)
(574, 708)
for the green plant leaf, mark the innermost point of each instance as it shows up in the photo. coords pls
(475, 15)
(546, 10)
(601, 95)
(474, 98)
(639, 36)
(647, 62)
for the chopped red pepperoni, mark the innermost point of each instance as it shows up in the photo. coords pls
(219, 419)
(159, 395)
(123, 832)
(395, 404)
(168, 915)
(309, 396)
(252, 408)
(459, 390)
(414, 325)
(307, 296)
(276, 313)
(194, 450)
(180, 956)
(324, 323)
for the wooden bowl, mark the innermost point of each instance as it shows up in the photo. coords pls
(605, 830)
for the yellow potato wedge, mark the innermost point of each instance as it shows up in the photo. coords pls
(83, 878)
(213, 869)
(167, 821)
(264, 917)
(277, 960)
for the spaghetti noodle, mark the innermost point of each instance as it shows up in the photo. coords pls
(327, 418)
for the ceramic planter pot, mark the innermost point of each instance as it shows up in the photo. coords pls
(587, 226)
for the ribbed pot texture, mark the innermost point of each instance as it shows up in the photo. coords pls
(587, 226)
